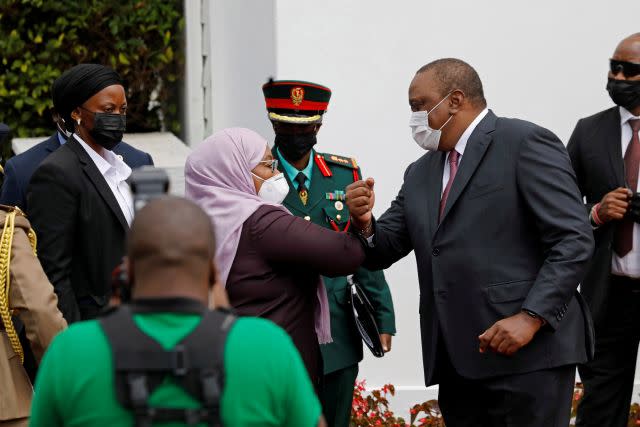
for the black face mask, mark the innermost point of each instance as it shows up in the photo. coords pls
(108, 129)
(625, 93)
(294, 147)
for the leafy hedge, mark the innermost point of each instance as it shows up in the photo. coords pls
(39, 39)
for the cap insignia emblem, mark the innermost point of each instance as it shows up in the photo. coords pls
(297, 95)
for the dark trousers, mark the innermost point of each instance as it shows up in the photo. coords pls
(535, 399)
(336, 395)
(608, 378)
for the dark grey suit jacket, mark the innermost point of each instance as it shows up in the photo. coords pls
(596, 154)
(513, 235)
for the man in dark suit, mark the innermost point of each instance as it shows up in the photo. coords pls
(493, 215)
(611, 287)
(78, 200)
(19, 169)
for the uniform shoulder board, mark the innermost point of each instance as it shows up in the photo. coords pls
(348, 162)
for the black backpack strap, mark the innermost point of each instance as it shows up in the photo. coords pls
(132, 363)
(207, 344)
(196, 363)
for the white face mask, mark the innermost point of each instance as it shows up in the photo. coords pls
(274, 189)
(423, 134)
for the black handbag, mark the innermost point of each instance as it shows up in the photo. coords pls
(363, 314)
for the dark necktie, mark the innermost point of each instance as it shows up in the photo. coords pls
(453, 169)
(303, 192)
(624, 231)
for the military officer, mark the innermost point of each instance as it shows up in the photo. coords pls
(317, 183)
(26, 292)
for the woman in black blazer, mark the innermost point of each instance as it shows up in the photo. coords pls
(78, 202)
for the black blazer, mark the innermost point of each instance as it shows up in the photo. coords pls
(19, 169)
(513, 236)
(79, 224)
(596, 155)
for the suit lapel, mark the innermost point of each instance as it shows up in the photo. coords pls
(433, 179)
(612, 135)
(477, 146)
(99, 182)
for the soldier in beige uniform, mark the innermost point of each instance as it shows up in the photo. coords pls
(25, 292)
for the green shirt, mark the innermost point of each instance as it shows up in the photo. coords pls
(266, 383)
(292, 172)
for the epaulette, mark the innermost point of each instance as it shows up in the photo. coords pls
(348, 162)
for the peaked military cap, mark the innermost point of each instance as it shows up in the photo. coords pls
(294, 101)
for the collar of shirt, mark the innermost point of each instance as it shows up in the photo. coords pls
(109, 165)
(626, 115)
(61, 138)
(292, 172)
(462, 142)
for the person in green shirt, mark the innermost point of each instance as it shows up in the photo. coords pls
(170, 261)
(317, 183)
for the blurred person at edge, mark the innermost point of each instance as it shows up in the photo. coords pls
(269, 259)
(26, 293)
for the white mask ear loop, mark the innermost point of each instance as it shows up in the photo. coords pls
(445, 123)
(256, 176)
(441, 101)
(436, 106)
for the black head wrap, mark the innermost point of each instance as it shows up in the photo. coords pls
(76, 85)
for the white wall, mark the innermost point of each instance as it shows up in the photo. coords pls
(543, 61)
(242, 58)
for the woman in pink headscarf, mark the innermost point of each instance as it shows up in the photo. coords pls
(270, 260)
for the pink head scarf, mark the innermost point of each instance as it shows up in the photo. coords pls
(218, 178)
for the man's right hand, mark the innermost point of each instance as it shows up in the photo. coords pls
(360, 201)
(614, 205)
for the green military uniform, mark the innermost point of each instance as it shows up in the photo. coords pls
(327, 176)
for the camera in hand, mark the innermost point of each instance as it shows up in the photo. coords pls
(146, 183)
(633, 212)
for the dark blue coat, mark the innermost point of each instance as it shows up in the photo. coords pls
(20, 168)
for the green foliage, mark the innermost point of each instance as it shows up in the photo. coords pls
(40, 39)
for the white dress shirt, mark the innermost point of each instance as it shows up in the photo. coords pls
(628, 265)
(115, 173)
(460, 147)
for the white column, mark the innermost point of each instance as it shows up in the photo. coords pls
(193, 119)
